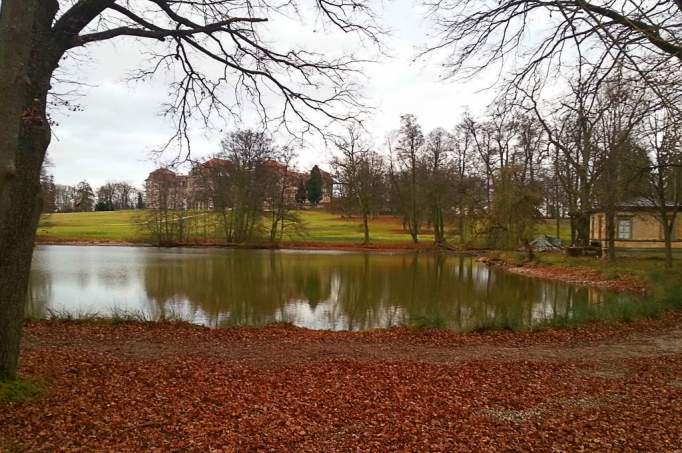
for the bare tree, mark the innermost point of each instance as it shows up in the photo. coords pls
(478, 34)
(244, 187)
(282, 184)
(183, 36)
(662, 135)
(358, 172)
(409, 151)
(438, 150)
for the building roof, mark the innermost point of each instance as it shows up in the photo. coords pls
(160, 173)
(637, 204)
(217, 162)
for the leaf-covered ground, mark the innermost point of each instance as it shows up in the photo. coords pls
(165, 387)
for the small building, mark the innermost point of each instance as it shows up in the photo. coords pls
(637, 228)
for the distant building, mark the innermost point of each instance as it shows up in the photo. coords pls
(197, 189)
(201, 182)
(166, 189)
(637, 228)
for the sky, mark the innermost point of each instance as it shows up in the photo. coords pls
(118, 126)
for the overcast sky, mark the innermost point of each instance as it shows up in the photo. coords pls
(112, 138)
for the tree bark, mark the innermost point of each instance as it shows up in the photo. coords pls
(610, 236)
(28, 57)
(365, 225)
(668, 248)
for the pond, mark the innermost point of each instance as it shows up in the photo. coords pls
(313, 289)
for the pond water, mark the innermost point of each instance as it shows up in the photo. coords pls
(314, 289)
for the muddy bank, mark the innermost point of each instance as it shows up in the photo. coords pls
(572, 275)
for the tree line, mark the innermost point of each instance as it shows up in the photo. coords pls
(489, 180)
(111, 196)
(494, 177)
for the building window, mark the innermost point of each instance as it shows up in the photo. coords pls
(624, 228)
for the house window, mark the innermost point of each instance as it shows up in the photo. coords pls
(624, 228)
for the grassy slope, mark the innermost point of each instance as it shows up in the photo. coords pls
(321, 226)
(103, 226)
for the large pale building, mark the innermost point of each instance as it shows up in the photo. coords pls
(167, 189)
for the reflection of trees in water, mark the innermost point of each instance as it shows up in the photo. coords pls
(113, 277)
(240, 287)
(39, 293)
(352, 291)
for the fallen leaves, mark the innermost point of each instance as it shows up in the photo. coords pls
(136, 387)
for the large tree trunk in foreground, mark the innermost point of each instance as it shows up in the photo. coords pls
(28, 60)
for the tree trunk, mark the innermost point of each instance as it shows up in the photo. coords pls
(611, 236)
(667, 237)
(28, 59)
(365, 225)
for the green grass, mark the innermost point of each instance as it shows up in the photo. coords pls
(20, 390)
(326, 227)
(320, 226)
(103, 226)
(548, 228)
(650, 268)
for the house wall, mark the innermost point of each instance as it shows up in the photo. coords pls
(647, 232)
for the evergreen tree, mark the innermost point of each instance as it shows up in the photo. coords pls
(313, 186)
(301, 193)
(140, 202)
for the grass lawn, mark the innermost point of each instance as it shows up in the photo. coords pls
(327, 227)
(646, 268)
(321, 227)
(96, 226)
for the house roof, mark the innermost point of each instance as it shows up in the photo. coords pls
(637, 204)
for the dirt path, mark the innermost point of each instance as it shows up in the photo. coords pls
(136, 387)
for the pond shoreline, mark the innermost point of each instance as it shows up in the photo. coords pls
(293, 245)
(283, 388)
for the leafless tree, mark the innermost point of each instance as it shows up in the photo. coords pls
(662, 135)
(282, 184)
(245, 185)
(409, 153)
(182, 37)
(358, 171)
(477, 34)
(438, 152)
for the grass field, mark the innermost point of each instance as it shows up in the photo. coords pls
(95, 226)
(320, 227)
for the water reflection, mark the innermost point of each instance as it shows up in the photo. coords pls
(321, 290)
